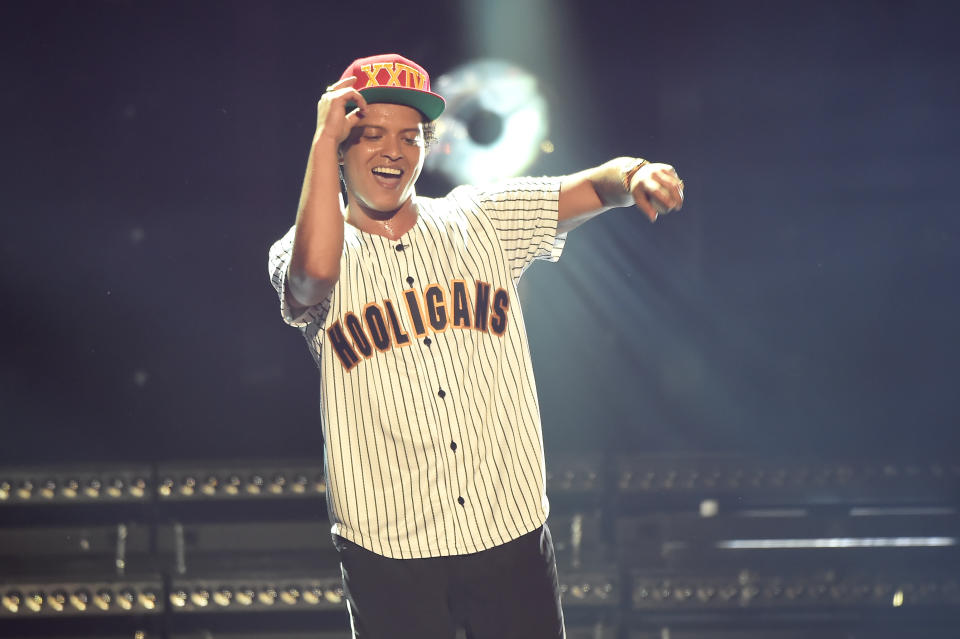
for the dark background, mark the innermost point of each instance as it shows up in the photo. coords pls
(803, 303)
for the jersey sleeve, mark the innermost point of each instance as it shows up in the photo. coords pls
(277, 265)
(523, 212)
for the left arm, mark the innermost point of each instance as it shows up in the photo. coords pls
(654, 188)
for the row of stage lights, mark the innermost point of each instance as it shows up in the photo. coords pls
(643, 475)
(72, 489)
(80, 599)
(711, 594)
(189, 598)
(640, 474)
(233, 485)
(594, 589)
(168, 487)
(631, 476)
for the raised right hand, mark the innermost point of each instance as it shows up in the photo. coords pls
(333, 121)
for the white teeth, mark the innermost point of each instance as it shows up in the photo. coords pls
(385, 170)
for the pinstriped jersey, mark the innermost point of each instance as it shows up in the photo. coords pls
(432, 435)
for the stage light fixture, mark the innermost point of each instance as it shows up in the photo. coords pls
(48, 489)
(254, 484)
(188, 486)
(223, 596)
(233, 485)
(12, 600)
(25, 489)
(200, 597)
(277, 484)
(138, 487)
(300, 484)
(57, 600)
(34, 601)
(493, 126)
(92, 488)
(290, 595)
(115, 487)
(80, 599)
(210, 484)
(313, 595)
(334, 595)
(70, 488)
(267, 595)
(245, 596)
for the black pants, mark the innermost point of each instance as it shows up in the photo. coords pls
(501, 593)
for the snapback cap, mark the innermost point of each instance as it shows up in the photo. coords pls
(394, 79)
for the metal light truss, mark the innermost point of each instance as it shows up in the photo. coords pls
(787, 480)
(75, 598)
(200, 548)
(75, 485)
(781, 539)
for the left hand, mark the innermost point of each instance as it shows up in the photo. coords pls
(657, 189)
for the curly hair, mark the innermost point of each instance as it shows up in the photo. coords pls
(429, 134)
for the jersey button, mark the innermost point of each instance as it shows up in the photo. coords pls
(453, 446)
(427, 341)
(460, 500)
(399, 247)
(410, 280)
(442, 393)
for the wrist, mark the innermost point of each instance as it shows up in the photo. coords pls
(628, 169)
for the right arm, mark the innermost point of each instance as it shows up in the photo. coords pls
(318, 236)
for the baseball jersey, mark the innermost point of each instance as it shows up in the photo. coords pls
(432, 435)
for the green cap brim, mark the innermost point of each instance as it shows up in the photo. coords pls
(429, 104)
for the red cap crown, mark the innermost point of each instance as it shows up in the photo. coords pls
(394, 79)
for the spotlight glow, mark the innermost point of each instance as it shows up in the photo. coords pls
(494, 124)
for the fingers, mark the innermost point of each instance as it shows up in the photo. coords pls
(345, 82)
(659, 190)
(344, 92)
(645, 205)
(668, 189)
(333, 118)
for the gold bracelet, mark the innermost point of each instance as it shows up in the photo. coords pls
(629, 173)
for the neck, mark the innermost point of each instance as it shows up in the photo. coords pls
(389, 224)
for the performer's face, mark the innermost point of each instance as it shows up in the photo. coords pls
(383, 157)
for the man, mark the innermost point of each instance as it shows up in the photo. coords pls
(433, 445)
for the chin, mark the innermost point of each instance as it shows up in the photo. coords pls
(383, 207)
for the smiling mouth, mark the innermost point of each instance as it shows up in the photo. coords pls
(387, 172)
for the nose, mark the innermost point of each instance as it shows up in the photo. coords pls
(391, 148)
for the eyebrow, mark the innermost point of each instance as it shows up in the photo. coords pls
(381, 128)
